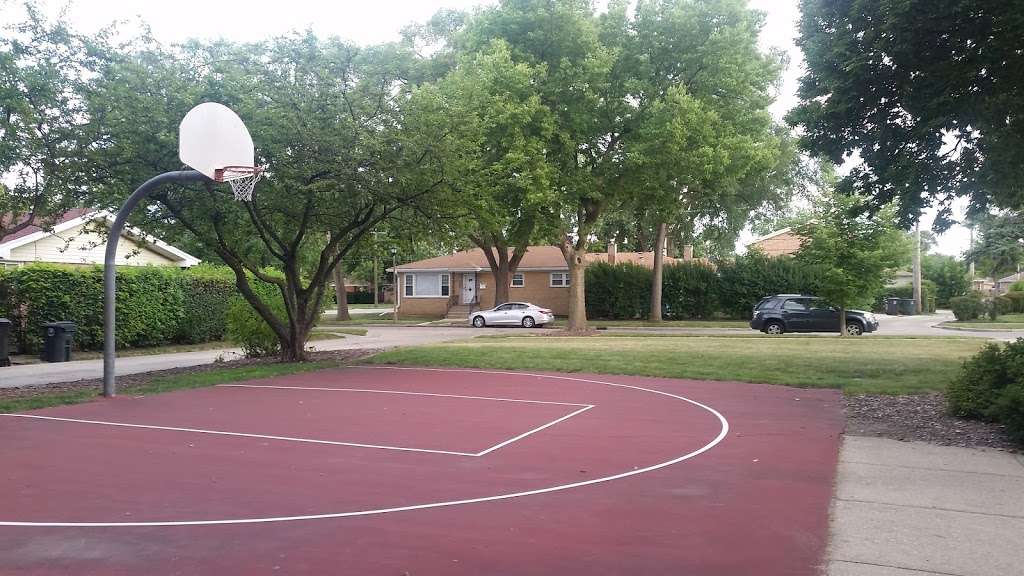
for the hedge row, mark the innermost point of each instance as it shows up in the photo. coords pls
(155, 305)
(693, 289)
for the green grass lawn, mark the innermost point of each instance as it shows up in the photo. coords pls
(1004, 322)
(560, 322)
(856, 365)
(165, 384)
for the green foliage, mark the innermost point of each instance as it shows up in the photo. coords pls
(752, 276)
(967, 307)
(207, 293)
(690, 290)
(1016, 299)
(948, 274)
(997, 250)
(248, 329)
(927, 93)
(1017, 286)
(990, 387)
(854, 251)
(621, 291)
(155, 305)
(359, 297)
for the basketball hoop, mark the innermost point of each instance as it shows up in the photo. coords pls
(242, 179)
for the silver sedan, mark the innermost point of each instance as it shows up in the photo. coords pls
(512, 314)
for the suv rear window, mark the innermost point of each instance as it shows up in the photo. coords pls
(767, 304)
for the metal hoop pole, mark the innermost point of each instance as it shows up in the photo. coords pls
(110, 267)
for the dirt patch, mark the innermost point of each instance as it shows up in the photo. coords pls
(126, 383)
(921, 417)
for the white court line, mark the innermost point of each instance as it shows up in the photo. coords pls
(400, 392)
(722, 433)
(242, 434)
(584, 407)
(535, 430)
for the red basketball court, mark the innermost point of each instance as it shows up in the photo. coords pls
(418, 471)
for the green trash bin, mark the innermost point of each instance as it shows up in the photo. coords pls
(5, 334)
(57, 338)
(907, 307)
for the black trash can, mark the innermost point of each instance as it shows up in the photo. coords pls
(57, 337)
(892, 306)
(5, 334)
(907, 306)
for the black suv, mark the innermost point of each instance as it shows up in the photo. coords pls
(799, 313)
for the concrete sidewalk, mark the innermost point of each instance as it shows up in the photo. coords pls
(916, 509)
(376, 338)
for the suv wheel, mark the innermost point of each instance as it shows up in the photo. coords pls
(479, 322)
(774, 328)
(854, 328)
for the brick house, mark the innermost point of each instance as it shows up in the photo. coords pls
(461, 282)
(784, 242)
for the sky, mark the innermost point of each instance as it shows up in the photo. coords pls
(381, 21)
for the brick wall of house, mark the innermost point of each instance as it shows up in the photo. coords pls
(785, 244)
(536, 289)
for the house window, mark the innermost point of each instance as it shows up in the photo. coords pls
(518, 281)
(559, 279)
(424, 285)
(410, 284)
(446, 288)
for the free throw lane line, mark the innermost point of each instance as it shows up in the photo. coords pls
(401, 392)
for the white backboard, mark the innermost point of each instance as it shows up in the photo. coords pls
(212, 136)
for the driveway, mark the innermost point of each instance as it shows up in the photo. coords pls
(376, 337)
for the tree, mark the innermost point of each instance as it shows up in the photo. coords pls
(633, 95)
(504, 182)
(948, 274)
(927, 94)
(348, 140)
(855, 252)
(999, 247)
(43, 67)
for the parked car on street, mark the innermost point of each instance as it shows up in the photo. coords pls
(783, 313)
(512, 314)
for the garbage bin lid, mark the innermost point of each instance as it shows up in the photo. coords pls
(4, 321)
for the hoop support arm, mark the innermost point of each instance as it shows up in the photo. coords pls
(110, 267)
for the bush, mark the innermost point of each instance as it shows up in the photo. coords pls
(359, 298)
(247, 328)
(207, 294)
(998, 306)
(748, 278)
(619, 291)
(1017, 286)
(990, 387)
(155, 305)
(1016, 301)
(967, 307)
(690, 290)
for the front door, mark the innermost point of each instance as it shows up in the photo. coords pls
(468, 295)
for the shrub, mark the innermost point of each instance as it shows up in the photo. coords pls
(1017, 286)
(619, 291)
(990, 387)
(155, 305)
(690, 290)
(750, 277)
(359, 297)
(967, 307)
(207, 294)
(247, 328)
(1016, 301)
(998, 306)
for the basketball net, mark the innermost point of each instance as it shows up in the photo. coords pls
(242, 180)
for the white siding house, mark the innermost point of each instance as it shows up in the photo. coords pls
(78, 238)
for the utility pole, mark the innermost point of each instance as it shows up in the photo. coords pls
(918, 304)
(376, 278)
(394, 281)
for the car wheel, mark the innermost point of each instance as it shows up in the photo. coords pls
(854, 328)
(479, 322)
(774, 328)
(528, 322)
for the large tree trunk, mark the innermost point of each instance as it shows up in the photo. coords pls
(842, 321)
(659, 262)
(341, 294)
(502, 265)
(577, 290)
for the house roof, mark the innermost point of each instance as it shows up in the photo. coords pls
(78, 216)
(1012, 277)
(65, 217)
(769, 236)
(536, 258)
